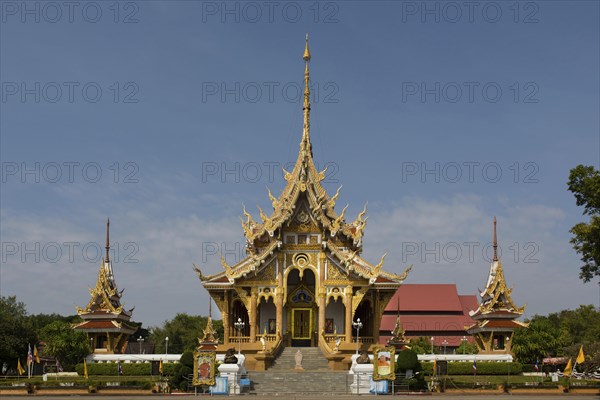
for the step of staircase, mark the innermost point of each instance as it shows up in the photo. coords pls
(300, 382)
(312, 360)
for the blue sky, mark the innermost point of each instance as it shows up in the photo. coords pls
(420, 106)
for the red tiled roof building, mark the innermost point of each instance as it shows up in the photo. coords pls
(430, 310)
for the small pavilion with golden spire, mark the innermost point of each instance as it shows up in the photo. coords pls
(303, 281)
(104, 319)
(496, 316)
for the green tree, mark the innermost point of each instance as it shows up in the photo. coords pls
(38, 321)
(467, 348)
(421, 345)
(65, 343)
(15, 331)
(559, 334)
(584, 183)
(183, 332)
(541, 339)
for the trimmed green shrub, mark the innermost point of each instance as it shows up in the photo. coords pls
(111, 369)
(407, 359)
(483, 368)
(187, 358)
(182, 370)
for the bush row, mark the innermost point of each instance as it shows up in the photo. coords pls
(111, 369)
(483, 368)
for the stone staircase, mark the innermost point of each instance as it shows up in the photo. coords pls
(312, 360)
(283, 379)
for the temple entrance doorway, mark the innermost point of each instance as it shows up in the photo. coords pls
(302, 318)
(302, 307)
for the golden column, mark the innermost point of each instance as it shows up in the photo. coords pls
(253, 313)
(321, 293)
(348, 319)
(279, 296)
(225, 316)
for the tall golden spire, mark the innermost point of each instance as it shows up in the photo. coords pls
(306, 106)
(107, 238)
(495, 241)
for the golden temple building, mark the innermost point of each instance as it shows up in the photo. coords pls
(104, 319)
(303, 282)
(497, 313)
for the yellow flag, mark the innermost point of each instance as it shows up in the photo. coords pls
(580, 356)
(568, 368)
(160, 367)
(434, 367)
(19, 367)
(36, 355)
(85, 372)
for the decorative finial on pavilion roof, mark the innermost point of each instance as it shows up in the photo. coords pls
(107, 239)
(306, 106)
(495, 241)
(209, 332)
(306, 56)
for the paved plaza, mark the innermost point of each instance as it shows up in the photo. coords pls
(337, 397)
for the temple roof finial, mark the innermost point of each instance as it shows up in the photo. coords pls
(107, 238)
(306, 106)
(306, 56)
(495, 241)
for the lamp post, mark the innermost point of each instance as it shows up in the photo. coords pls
(508, 366)
(166, 347)
(445, 343)
(431, 345)
(140, 340)
(92, 344)
(239, 325)
(464, 343)
(357, 325)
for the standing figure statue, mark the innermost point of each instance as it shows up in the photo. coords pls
(298, 357)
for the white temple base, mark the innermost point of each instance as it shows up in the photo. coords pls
(231, 371)
(363, 374)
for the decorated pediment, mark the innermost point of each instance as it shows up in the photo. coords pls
(301, 296)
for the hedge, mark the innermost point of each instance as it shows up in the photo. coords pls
(544, 368)
(483, 368)
(110, 369)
